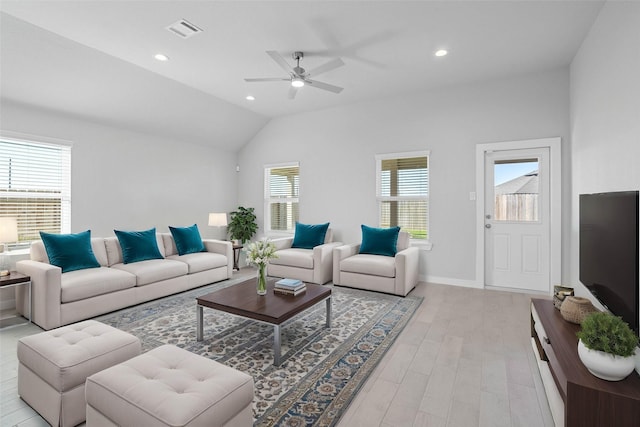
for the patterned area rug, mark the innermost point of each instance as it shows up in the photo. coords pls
(323, 369)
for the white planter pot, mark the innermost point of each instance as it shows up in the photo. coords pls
(604, 365)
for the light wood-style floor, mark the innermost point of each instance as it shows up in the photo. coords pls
(465, 359)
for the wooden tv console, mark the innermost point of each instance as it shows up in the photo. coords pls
(576, 397)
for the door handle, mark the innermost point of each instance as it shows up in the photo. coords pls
(487, 226)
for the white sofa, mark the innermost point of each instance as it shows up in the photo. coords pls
(309, 265)
(393, 275)
(64, 298)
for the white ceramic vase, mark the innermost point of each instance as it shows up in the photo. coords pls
(604, 365)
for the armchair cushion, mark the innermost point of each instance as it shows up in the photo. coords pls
(293, 257)
(309, 236)
(70, 252)
(373, 265)
(379, 241)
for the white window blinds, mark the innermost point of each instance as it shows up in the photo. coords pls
(282, 191)
(35, 187)
(403, 192)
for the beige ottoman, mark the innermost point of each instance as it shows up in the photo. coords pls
(169, 386)
(55, 364)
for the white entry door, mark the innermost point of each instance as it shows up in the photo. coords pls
(517, 218)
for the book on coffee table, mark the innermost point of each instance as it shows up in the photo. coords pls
(289, 292)
(289, 287)
(289, 283)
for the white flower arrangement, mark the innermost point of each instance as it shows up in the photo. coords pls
(260, 252)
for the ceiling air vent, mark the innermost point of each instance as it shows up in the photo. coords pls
(184, 29)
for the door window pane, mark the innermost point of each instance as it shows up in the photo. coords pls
(516, 189)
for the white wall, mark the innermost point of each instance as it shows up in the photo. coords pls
(605, 113)
(133, 181)
(336, 149)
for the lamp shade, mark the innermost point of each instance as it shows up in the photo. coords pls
(218, 219)
(8, 230)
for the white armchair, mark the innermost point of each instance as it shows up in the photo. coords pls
(309, 265)
(394, 275)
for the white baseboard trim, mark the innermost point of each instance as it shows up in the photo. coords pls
(450, 281)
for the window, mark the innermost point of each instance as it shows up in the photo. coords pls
(35, 187)
(282, 190)
(403, 192)
(516, 190)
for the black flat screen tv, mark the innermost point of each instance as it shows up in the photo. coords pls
(609, 251)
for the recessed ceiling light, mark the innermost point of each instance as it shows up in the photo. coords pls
(251, 98)
(441, 52)
(161, 57)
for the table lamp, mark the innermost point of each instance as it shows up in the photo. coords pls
(8, 234)
(218, 219)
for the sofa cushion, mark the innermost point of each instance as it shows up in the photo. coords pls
(154, 270)
(201, 261)
(293, 257)
(188, 240)
(379, 241)
(308, 236)
(138, 245)
(70, 252)
(83, 284)
(376, 265)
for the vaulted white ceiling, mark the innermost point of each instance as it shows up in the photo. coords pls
(95, 58)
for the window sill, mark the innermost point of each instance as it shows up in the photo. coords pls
(279, 234)
(17, 252)
(422, 244)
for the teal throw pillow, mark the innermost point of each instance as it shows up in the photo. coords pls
(188, 240)
(138, 245)
(309, 236)
(70, 252)
(379, 241)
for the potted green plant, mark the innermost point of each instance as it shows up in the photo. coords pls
(607, 346)
(242, 225)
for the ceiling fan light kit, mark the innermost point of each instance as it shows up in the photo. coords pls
(298, 76)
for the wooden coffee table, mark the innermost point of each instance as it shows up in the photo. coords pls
(274, 309)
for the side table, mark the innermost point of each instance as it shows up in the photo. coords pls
(236, 256)
(17, 279)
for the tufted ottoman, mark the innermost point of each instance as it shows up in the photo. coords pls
(54, 365)
(169, 386)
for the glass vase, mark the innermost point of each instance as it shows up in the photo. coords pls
(261, 280)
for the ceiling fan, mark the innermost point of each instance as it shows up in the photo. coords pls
(298, 76)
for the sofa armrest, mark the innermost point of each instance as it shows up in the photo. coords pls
(323, 262)
(340, 253)
(46, 292)
(222, 247)
(282, 243)
(406, 270)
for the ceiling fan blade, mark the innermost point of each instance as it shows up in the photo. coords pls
(334, 63)
(292, 92)
(269, 79)
(280, 60)
(324, 86)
